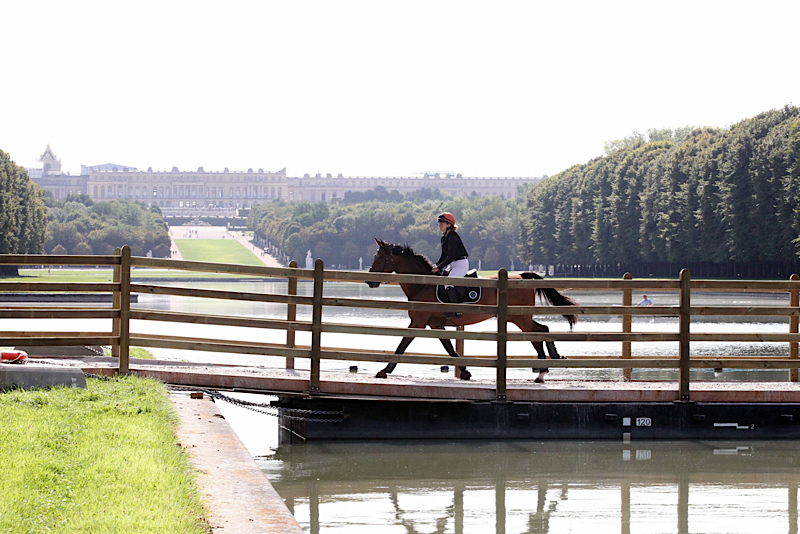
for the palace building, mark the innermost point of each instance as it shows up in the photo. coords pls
(176, 189)
(50, 177)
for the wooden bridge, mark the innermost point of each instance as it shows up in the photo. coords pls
(311, 385)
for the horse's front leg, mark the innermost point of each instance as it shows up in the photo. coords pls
(401, 348)
(448, 346)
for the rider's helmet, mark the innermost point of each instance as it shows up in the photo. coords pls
(447, 217)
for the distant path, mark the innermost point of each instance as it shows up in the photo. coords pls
(268, 260)
(217, 232)
(175, 254)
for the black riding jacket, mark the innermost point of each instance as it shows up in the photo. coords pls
(452, 250)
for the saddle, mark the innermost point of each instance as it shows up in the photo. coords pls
(466, 295)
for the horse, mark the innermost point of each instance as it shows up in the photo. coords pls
(403, 260)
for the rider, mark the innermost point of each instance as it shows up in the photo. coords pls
(453, 254)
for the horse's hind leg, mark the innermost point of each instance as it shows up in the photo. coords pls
(527, 324)
(401, 348)
(448, 346)
(551, 350)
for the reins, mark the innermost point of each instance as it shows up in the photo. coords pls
(419, 287)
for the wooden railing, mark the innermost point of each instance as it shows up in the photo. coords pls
(120, 338)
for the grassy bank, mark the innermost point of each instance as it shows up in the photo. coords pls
(101, 459)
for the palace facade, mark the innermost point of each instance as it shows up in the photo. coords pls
(177, 190)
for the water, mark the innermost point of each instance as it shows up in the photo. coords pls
(522, 487)
(511, 486)
(528, 486)
(399, 318)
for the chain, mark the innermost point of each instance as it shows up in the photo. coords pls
(263, 408)
(99, 377)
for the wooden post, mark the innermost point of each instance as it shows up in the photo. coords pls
(502, 332)
(683, 351)
(125, 311)
(794, 321)
(116, 302)
(316, 327)
(291, 315)
(459, 350)
(627, 300)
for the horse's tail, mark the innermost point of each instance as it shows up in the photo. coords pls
(553, 297)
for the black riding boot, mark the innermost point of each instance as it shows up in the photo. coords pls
(452, 295)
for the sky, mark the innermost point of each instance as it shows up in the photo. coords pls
(371, 88)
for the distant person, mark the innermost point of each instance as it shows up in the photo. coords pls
(646, 301)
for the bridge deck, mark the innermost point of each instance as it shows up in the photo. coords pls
(444, 388)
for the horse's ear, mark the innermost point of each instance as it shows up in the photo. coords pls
(380, 243)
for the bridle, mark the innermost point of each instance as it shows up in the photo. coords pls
(387, 258)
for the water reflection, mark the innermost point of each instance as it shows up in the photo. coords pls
(539, 487)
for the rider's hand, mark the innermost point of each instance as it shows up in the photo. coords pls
(435, 269)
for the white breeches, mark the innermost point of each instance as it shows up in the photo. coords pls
(458, 268)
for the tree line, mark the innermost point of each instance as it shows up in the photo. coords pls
(342, 233)
(76, 225)
(705, 195)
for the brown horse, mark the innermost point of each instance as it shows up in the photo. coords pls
(402, 260)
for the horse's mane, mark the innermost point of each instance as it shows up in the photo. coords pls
(407, 251)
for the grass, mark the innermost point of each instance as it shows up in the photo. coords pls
(136, 352)
(105, 275)
(217, 250)
(209, 250)
(101, 459)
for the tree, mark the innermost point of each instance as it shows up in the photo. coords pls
(82, 249)
(104, 226)
(686, 195)
(491, 258)
(22, 213)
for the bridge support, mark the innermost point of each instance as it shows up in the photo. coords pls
(368, 419)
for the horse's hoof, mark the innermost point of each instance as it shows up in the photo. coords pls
(381, 374)
(539, 380)
(465, 375)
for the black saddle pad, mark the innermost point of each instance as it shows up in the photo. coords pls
(466, 295)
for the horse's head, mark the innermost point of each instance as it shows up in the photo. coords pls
(382, 262)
